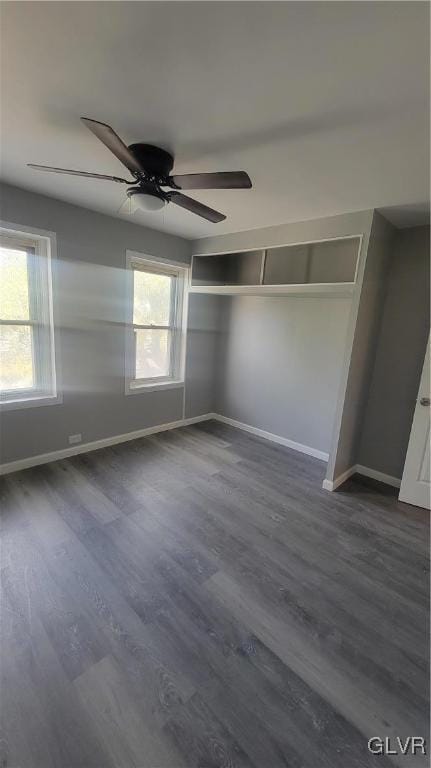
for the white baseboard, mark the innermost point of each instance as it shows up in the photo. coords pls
(273, 438)
(381, 476)
(359, 469)
(331, 485)
(197, 419)
(74, 450)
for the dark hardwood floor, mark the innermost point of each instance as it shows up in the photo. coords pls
(194, 599)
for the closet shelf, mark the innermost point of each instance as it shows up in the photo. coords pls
(324, 268)
(304, 289)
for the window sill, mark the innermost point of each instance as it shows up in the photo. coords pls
(30, 402)
(154, 387)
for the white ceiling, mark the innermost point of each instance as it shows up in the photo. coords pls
(326, 104)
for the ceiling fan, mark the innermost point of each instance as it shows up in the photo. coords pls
(151, 168)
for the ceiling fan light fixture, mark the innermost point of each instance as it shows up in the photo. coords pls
(147, 201)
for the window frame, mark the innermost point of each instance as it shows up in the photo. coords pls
(42, 317)
(177, 324)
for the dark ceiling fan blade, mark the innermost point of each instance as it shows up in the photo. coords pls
(195, 207)
(107, 135)
(50, 169)
(223, 180)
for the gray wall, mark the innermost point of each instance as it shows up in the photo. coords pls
(367, 308)
(203, 342)
(280, 363)
(400, 352)
(91, 289)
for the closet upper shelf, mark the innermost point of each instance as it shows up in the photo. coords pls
(321, 268)
(311, 289)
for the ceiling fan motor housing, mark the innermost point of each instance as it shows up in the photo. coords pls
(154, 160)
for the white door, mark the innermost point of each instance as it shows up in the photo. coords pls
(415, 483)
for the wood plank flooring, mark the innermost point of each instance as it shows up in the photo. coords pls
(195, 600)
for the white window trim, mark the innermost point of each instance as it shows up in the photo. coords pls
(47, 246)
(182, 271)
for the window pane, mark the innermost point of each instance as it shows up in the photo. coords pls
(14, 303)
(16, 357)
(152, 353)
(152, 298)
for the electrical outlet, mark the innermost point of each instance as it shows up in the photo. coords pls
(73, 439)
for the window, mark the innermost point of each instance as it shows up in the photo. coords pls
(155, 327)
(27, 360)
